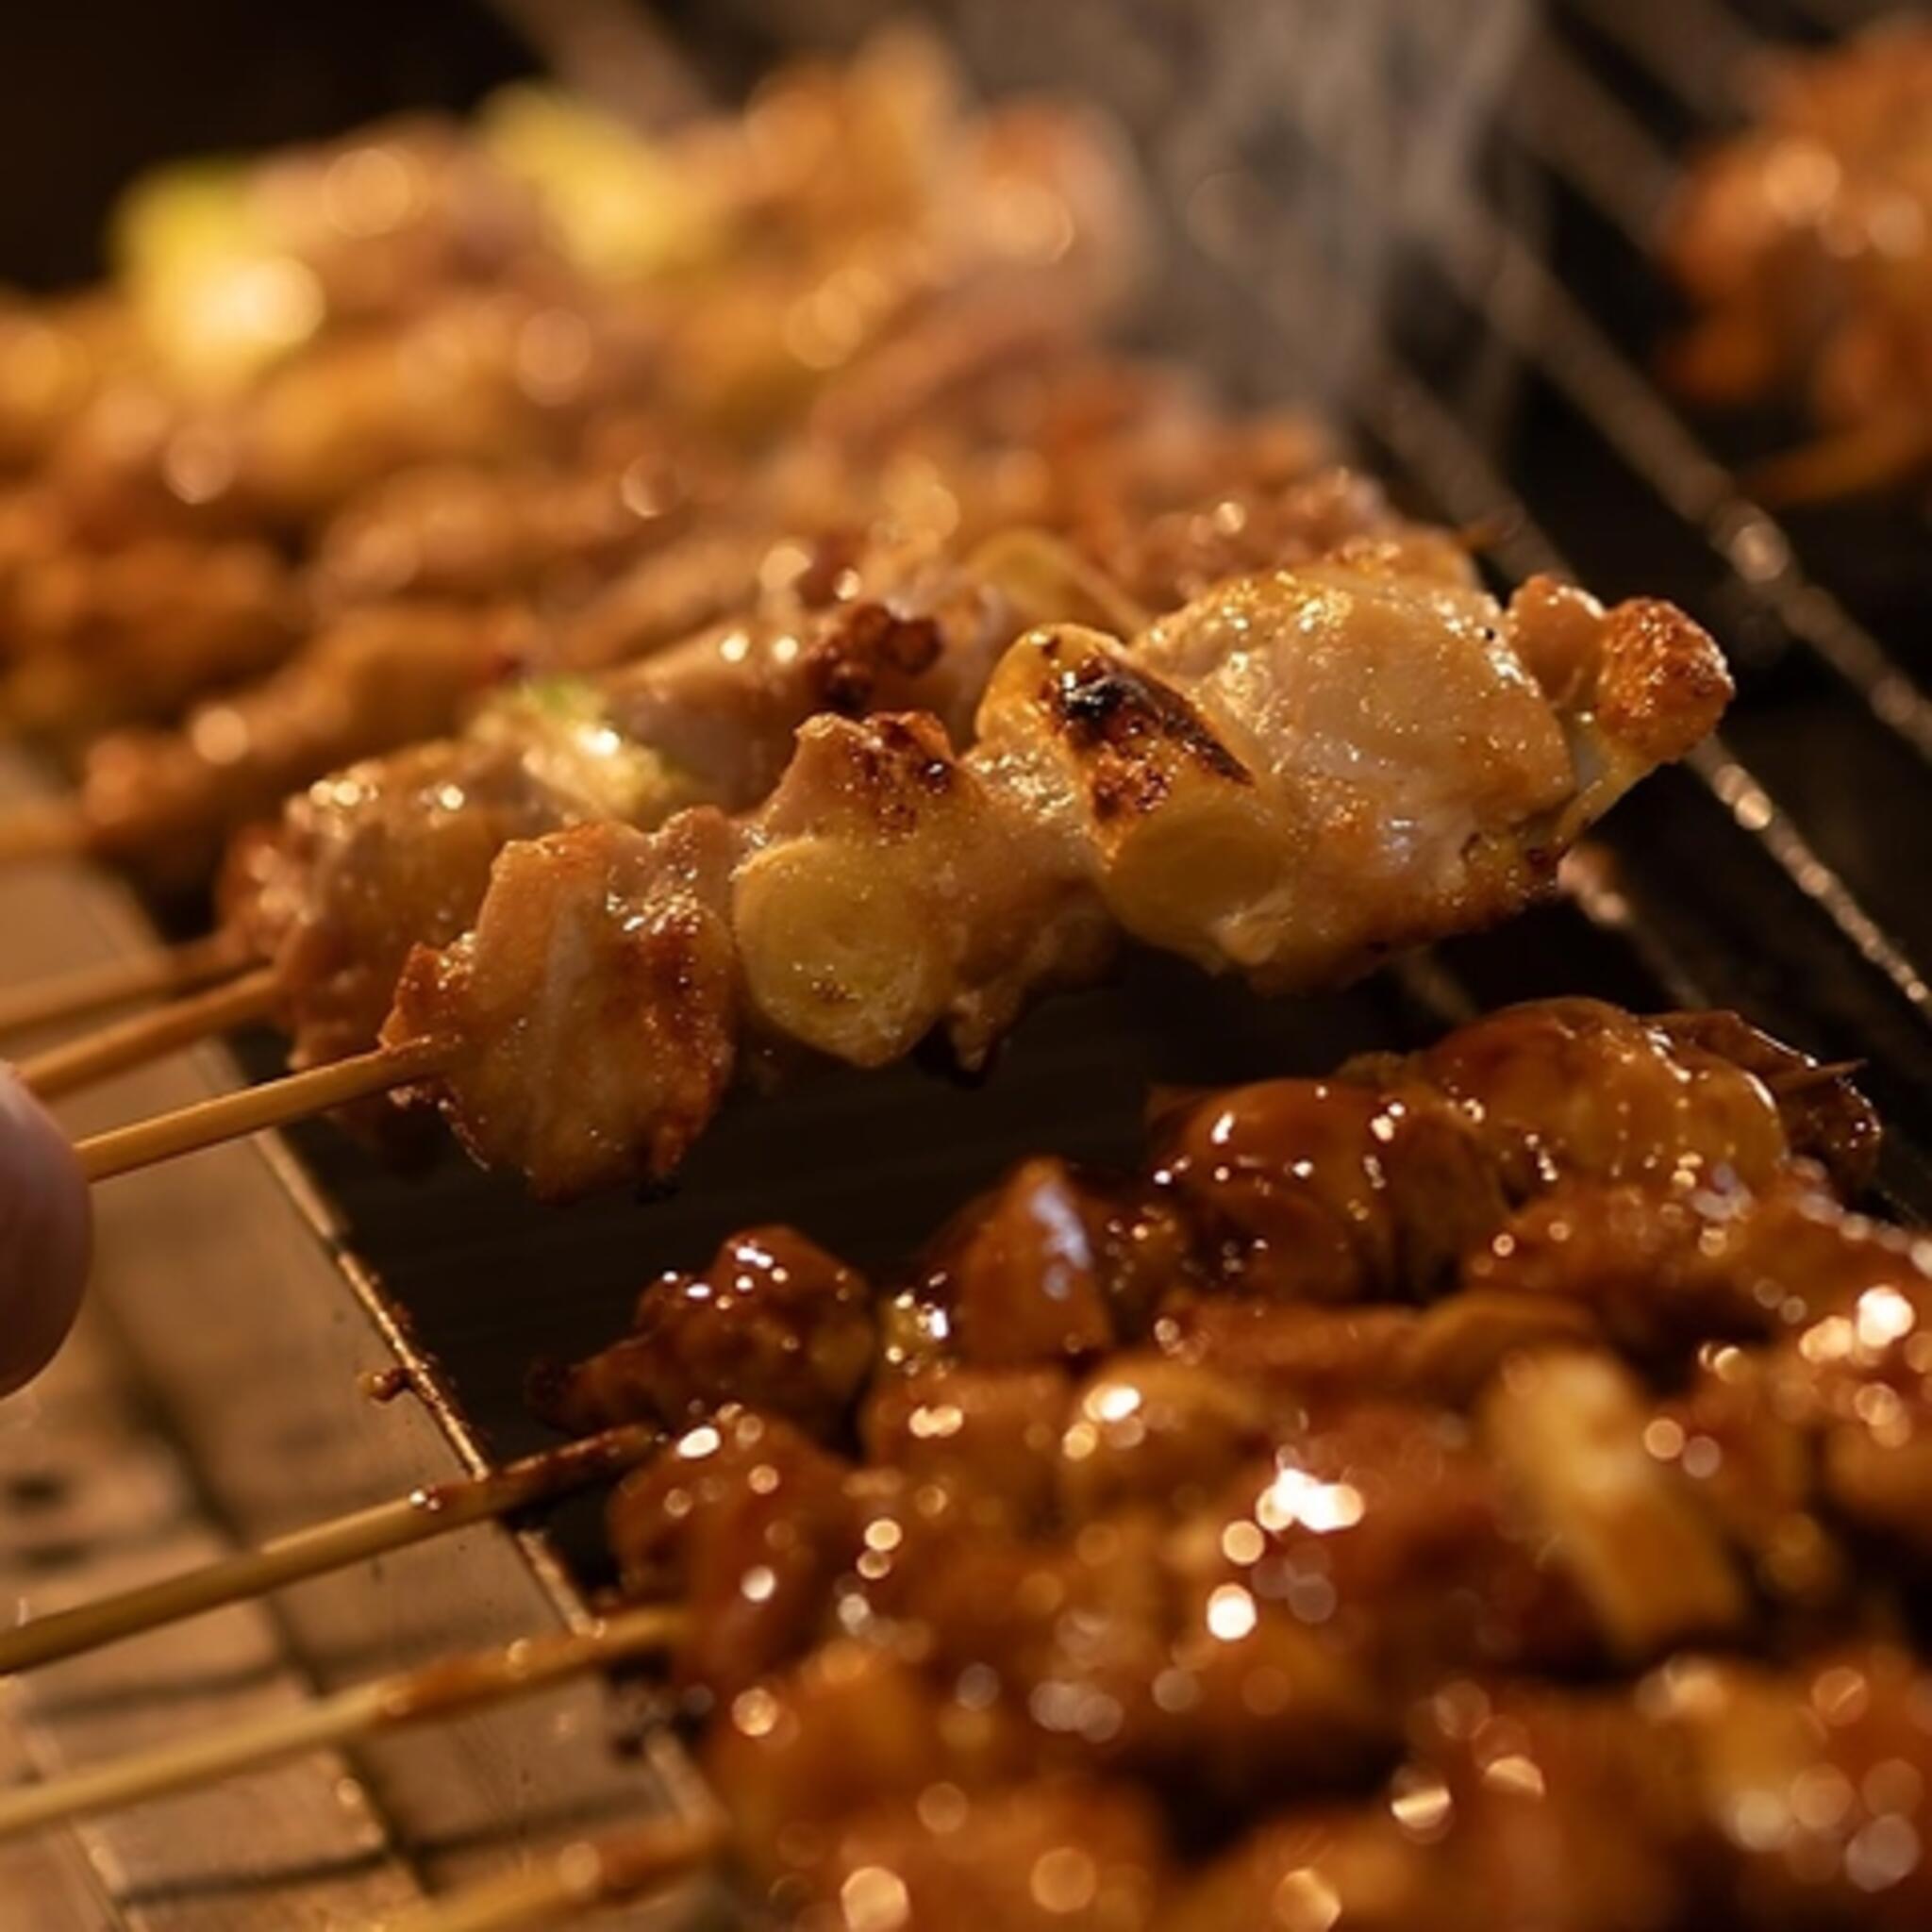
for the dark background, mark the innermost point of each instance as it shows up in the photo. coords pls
(92, 91)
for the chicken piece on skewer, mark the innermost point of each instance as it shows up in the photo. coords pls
(1764, 1743)
(494, 376)
(1807, 1327)
(552, 533)
(1690, 1089)
(162, 800)
(1513, 1810)
(1804, 243)
(90, 641)
(1290, 777)
(852, 1777)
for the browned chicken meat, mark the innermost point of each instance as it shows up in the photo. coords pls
(1010, 1601)
(1290, 777)
(635, 549)
(1807, 244)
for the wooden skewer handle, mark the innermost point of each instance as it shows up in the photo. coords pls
(252, 1109)
(146, 1037)
(440, 1689)
(432, 1511)
(581, 1878)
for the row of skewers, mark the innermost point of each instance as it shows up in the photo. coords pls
(1483, 1486)
(1068, 656)
(1435, 1495)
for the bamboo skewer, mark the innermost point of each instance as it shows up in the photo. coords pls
(584, 1875)
(145, 1037)
(416, 1518)
(440, 1689)
(252, 1109)
(90, 989)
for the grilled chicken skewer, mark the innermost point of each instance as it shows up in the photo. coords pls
(396, 852)
(1090, 1573)
(1378, 1186)
(1290, 777)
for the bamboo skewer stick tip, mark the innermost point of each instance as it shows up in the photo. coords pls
(578, 1877)
(255, 1110)
(441, 1690)
(435, 1510)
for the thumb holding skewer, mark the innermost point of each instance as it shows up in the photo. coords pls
(46, 1235)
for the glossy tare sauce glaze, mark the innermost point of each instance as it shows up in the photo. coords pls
(1481, 1488)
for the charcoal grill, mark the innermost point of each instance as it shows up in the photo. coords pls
(1432, 220)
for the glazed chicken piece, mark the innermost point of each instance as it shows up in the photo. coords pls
(1804, 243)
(851, 1780)
(1265, 1640)
(1802, 1323)
(1576, 1086)
(748, 1517)
(1664, 1274)
(774, 1323)
(1185, 1309)
(97, 638)
(828, 1737)
(1044, 1856)
(1223, 787)
(1515, 1810)
(1764, 1746)
(1314, 1600)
